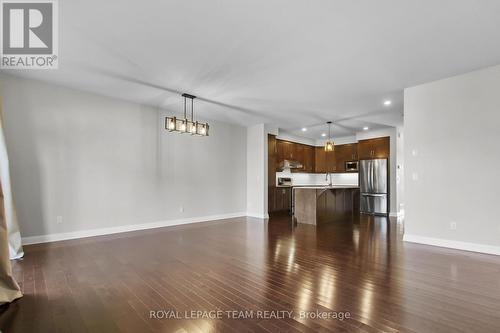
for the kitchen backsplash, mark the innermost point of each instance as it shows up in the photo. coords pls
(319, 178)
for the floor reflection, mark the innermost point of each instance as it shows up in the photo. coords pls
(341, 266)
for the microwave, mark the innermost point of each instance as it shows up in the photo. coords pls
(351, 166)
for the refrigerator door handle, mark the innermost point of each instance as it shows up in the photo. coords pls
(373, 195)
(372, 171)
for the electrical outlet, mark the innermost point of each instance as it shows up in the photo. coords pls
(59, 219)
(453, 225)
(181, 209)
(414, 176)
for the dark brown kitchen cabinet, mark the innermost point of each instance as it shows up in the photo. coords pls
(280, 199)
(298, 155)
(374, 148)
(320, 160)
(345, 153)
(280, 150)
(271, 199)
(382, 147)
(304, 154)
(285, 150)
(324, 161)
(308, 159)
(331, 161)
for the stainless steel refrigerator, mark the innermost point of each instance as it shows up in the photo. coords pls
(374, 186)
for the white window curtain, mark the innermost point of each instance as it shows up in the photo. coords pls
(15, 246)
(9, 289)
(10, 238)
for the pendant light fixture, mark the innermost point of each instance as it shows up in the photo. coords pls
(185, 125)
(329, 145)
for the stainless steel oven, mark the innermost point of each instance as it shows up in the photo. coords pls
(351, 166)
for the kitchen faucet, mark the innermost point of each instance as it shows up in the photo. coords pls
(329, 174)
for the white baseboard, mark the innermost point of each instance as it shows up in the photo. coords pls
(124, 228)
(465, 246)
(258, 216)
(396, 214)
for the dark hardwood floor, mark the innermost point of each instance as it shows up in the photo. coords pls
(359, 269)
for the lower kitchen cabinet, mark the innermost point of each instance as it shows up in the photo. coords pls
(280, 199)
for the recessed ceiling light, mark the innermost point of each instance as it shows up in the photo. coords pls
(323, 134)
(388, 102)
(304, 129)
(366, 128)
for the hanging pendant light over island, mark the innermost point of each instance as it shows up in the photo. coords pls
(329, 145)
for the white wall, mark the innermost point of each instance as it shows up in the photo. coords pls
(452, 158)
(283, 135)
(100, 162)
(256, 185)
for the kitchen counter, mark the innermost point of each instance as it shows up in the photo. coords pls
(318, 204)
(325, 187)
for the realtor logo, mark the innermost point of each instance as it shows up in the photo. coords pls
(29, 34)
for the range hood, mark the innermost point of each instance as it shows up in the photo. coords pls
(287, 164)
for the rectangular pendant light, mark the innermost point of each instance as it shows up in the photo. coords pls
(172, 124)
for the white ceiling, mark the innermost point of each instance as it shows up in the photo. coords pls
(288, 63)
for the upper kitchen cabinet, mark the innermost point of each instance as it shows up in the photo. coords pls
(345, 153)
(304, 154)
(309, 159)
(298, 153)
(320, 160)
(324, 161)
(331, 161)
(285, 151)
(374, 148)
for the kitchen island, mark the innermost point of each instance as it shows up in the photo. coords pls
(325, 204)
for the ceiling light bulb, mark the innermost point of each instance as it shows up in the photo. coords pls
(387, 102)
(304, 129)
(323, 134)
(366, 128)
